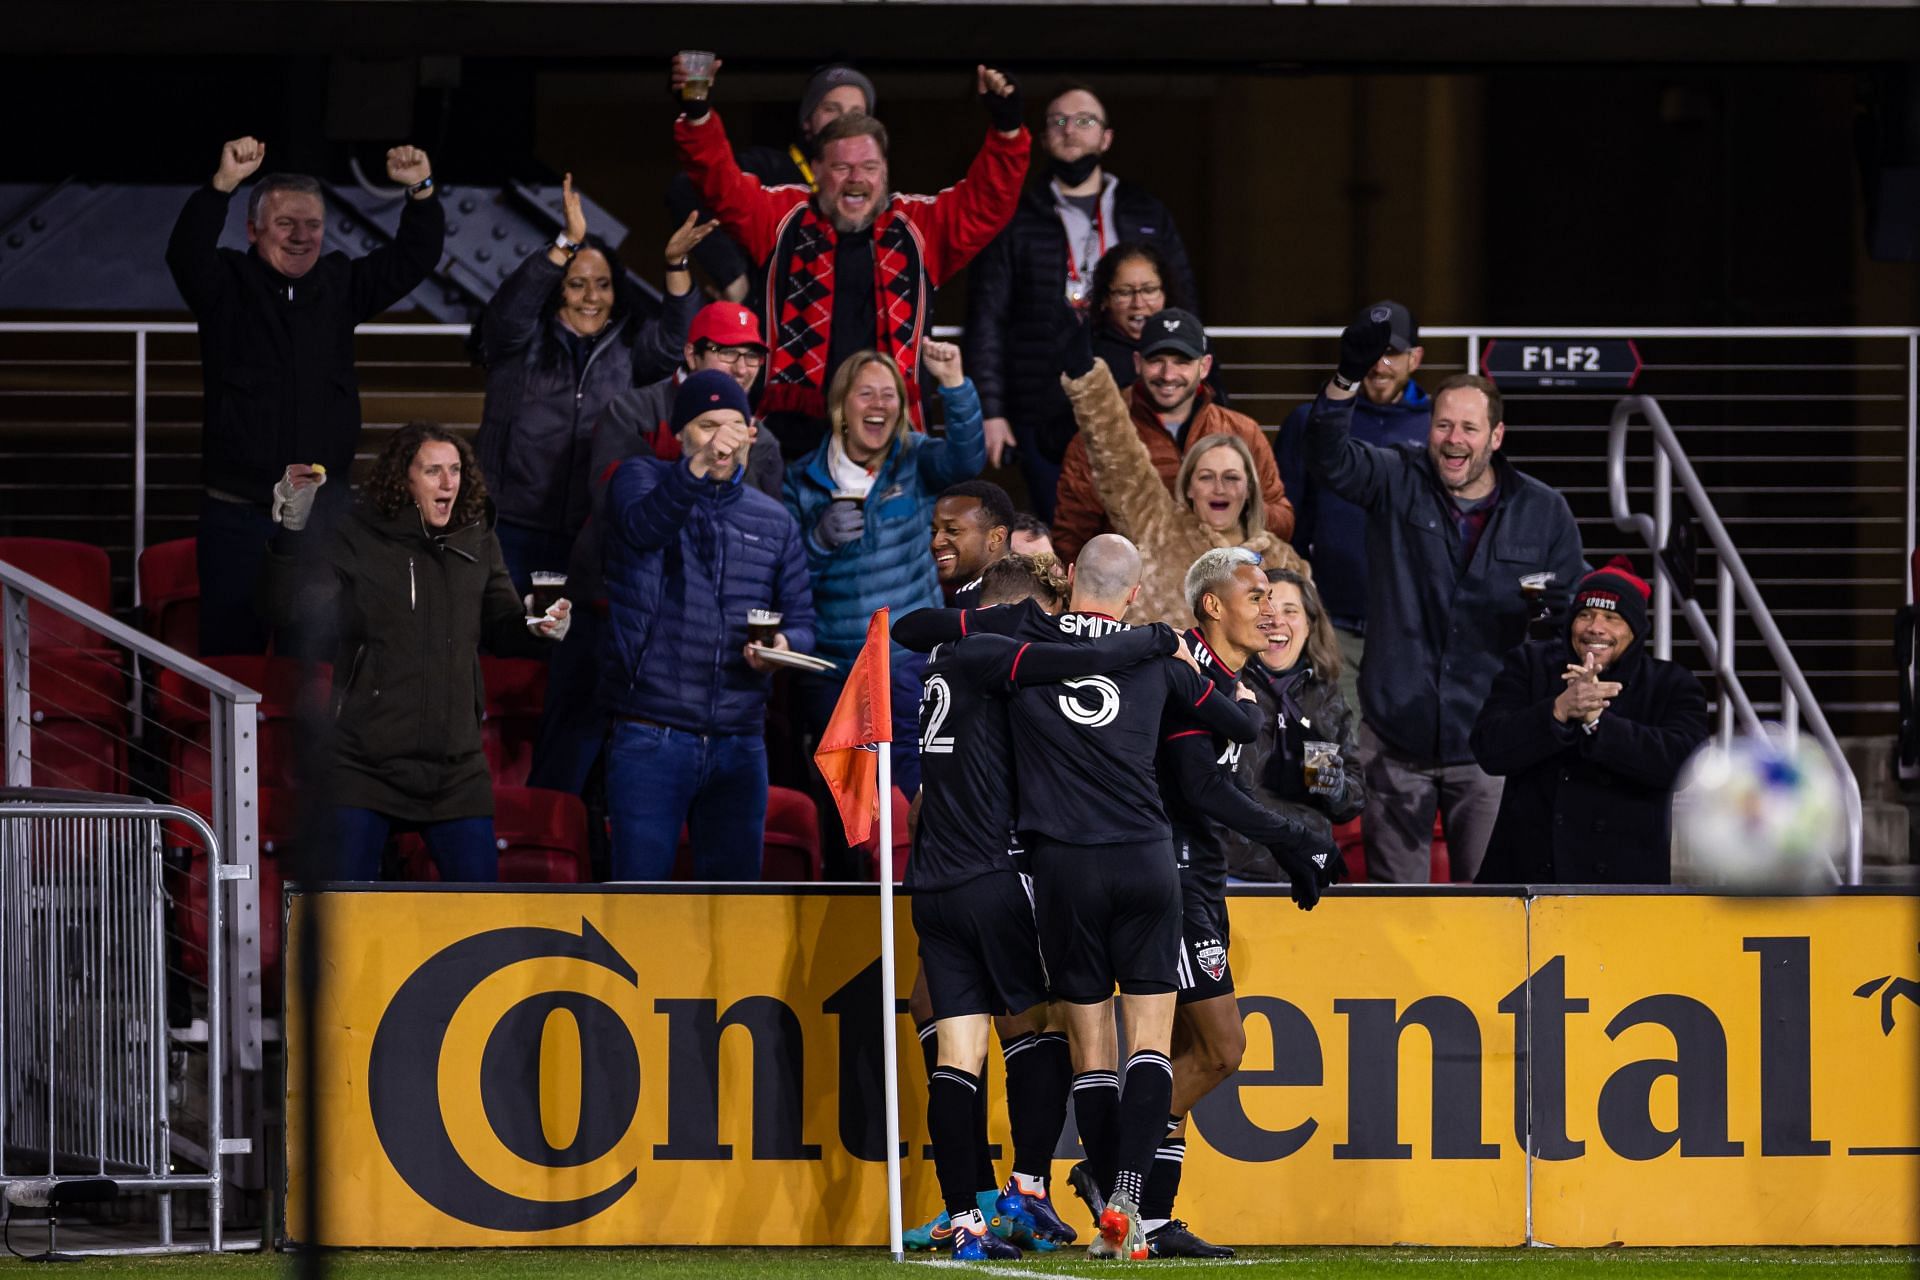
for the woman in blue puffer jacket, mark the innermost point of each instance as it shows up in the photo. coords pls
(864, 500)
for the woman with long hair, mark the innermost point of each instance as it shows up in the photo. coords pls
(1130, 283)
(561, 337)
(1296, 680)
(408, 586)
(864, 499)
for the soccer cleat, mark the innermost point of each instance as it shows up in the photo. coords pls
(997, 1247)
(1120, 1228)
(970, 1245)
(1048, 1229)
(1080, 1178)
(1099, 1249)
(1174, 1240)
(933, 1235)
(1010, 1222)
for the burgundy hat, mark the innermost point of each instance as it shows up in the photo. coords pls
(1614, 586)
(726, 324)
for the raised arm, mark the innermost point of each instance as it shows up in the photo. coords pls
(193, 250)
(662, 342)
(749, 211)
(1125, 483)
(648, 504)
(962, 451)
(391, 272)
(964, 219)
(1357, 471)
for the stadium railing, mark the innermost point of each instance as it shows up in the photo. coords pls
(69, 664)
(1804, 435)
(1734, 590)
(85, 1051)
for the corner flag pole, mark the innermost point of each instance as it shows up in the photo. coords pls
(889, 1031)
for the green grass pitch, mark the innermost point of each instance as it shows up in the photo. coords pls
(1252, 1264)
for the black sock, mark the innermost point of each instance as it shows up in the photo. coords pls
(1096, 1110)
(1143, 1118)
(983, 1175)
(1163, 1179)
(953, 1124)
(1039, 1074)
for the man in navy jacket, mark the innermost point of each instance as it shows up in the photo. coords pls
(1452, 527)
(690, 549)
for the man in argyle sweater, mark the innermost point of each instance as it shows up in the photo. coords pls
(854, 265)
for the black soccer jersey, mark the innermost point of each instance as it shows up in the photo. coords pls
(966, 759)
(1085, 748)
(924, 628)
(1200, 784)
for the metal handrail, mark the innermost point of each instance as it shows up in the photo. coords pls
(1716, 642)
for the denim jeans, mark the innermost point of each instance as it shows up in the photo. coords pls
(462, 848)
(658, 778)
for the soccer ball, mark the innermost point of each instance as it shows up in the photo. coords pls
(1760, 816)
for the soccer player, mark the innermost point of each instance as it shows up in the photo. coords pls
(1106, 888)
(1199, 783)
(973, 913)
(971, 524)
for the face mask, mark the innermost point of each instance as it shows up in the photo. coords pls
(1072, 173)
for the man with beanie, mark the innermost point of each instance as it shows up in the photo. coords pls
(1031, 286)
(854, 265)
(1331, 532)
(690, 548)
(1590, 733)
(724, 336)
(1453, 527)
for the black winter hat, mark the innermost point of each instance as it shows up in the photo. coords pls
(1616, 587)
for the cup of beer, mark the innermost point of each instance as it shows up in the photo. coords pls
(762, 626)
(548, 589)
(698, 64)
(1320, 765)
(848, 495)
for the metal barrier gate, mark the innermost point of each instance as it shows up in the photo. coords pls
(84, 1043)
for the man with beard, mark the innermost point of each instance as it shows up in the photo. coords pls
(854, 265)
(971, 525)
(1590, 732)
(1030, 286)
(1173, 410)
(1460, 527)
(1327, 529)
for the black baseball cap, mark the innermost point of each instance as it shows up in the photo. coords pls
(1405, 329)
(1173, 330)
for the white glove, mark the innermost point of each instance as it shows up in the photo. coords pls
(553, 624)
(293, 502)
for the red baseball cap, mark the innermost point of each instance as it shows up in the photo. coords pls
(727, 324)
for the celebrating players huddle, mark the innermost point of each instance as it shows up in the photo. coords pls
(1081, 784)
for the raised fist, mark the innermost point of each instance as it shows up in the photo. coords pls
(1001, 97)
(942, 360)
(239, 160)
(1364, 341)
(408, 165)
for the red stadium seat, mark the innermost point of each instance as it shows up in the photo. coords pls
(541, 836)
(170, 594)
(516, 690)
(1353, 851)
(902, 842)
(793, 836)
(180, 709)
(1439, 866)
(278, 810)
(77, 568)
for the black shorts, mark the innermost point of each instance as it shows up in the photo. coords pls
(979, 948)
(1109, 916)
(1204, 972)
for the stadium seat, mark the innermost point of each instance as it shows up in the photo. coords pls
(793, 836)
(278, 811)
(170, 594)
(180, 710)
(902, 842)
(77, 568)
(1353, 851)
(541, 836)
(516, 690)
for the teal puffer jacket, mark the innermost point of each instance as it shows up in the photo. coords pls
(890, 563)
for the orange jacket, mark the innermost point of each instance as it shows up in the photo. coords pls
(1078, 514)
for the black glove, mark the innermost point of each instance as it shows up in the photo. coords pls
(841, 523)
(1311, 866)
(1364, 342)
(1008, 113)
(1076, 353)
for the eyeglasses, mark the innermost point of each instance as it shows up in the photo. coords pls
(1082, 121)
(752, 357)
(1130, 292)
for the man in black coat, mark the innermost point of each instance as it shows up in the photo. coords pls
(276, 355)
(1028, 288)
(1591, 734)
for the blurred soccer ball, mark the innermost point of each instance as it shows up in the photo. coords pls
(1761, 817)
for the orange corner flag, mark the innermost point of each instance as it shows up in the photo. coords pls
(862, 718)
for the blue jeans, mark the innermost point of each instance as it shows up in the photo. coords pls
(573, 724)
(526, 549)
(230, 553)
(716, 784)
(462, 848)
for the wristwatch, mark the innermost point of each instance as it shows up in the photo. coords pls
(425, 184)
(565, 245)
(1345, 384)
(678, 266)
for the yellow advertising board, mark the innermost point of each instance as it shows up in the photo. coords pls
(657, 1067)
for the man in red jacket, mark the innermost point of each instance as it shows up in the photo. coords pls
(855, 264)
